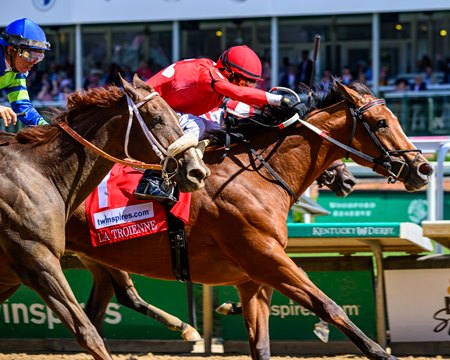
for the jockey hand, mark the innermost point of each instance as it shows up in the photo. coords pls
(8, 115)
(296, 107)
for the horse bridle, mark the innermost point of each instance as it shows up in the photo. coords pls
(178, 146)
(397, 169)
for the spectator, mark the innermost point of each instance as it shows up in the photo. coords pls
(384, 76)
(264, 82)
(325, 81)
(304, 69)
(446, 71)
(402, 84)
(144, 70)
(346, 75)
(289, 77)
(429, 77)
(94, 79)
(46, 90)
(419, 84)
(113, 78)
(424, 63)
(127, 73)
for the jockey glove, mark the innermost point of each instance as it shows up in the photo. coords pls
(289, 103)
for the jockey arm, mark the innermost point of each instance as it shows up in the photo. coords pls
(244, 94)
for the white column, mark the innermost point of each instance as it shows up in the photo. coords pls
(274, 51)
(375, 53)
(175, 41)
(78, 58)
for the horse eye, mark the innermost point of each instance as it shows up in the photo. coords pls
(382, 124)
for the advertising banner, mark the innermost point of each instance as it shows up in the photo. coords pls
(352, 290)
(25, 315)
(418, 304)
(374, 206)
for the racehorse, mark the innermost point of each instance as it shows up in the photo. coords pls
(108, 281)
(47, 173)
(237, 230)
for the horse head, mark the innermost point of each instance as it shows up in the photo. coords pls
(177, 151)
(379, 140)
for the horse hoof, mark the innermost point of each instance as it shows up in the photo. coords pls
(190, 334)
(224, 309)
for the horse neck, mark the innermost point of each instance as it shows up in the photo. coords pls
(82, 168)
(300, 156)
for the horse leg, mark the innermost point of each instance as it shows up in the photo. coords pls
(41, 270)
(101, 293)
(295, 284)
(255, 300)
(107, 280)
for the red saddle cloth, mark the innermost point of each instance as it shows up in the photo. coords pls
(114, 214)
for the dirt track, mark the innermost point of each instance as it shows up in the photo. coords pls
(150, 356)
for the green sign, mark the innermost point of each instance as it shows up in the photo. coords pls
(25, 315)
(352, 290)
(373, 206)
(347, 230)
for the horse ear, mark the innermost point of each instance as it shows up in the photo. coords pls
(137, 82)
(350, 95)
(129, 89)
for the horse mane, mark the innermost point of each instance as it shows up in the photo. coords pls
(77, 103)
(333, 95)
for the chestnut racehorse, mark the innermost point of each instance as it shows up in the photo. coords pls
(47, 174)
(108, 281)
(237, 231)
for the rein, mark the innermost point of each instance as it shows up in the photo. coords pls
(90, 146)
(183, 143)
(385, 162)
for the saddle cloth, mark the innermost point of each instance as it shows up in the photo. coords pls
(114, 214)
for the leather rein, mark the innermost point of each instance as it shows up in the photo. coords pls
(397, 169)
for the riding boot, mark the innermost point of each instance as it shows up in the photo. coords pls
(152, 187)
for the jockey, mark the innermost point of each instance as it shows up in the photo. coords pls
(22, 45)
(197, 86)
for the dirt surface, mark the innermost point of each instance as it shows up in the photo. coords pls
(150, 356)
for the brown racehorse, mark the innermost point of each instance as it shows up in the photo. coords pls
(47, 174)
(108, 281)
(237, 231)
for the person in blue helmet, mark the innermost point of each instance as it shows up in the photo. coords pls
(22, 45)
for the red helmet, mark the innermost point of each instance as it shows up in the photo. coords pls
(241, 61)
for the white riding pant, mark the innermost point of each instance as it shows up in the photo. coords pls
(201, 124)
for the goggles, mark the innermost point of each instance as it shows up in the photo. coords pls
(31, 56)
(241, 81)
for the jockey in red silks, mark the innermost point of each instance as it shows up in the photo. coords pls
(197, 86)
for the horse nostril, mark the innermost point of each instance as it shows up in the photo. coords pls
(425, 169)
(198, 174)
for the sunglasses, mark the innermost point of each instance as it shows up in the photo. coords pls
(31, 56)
